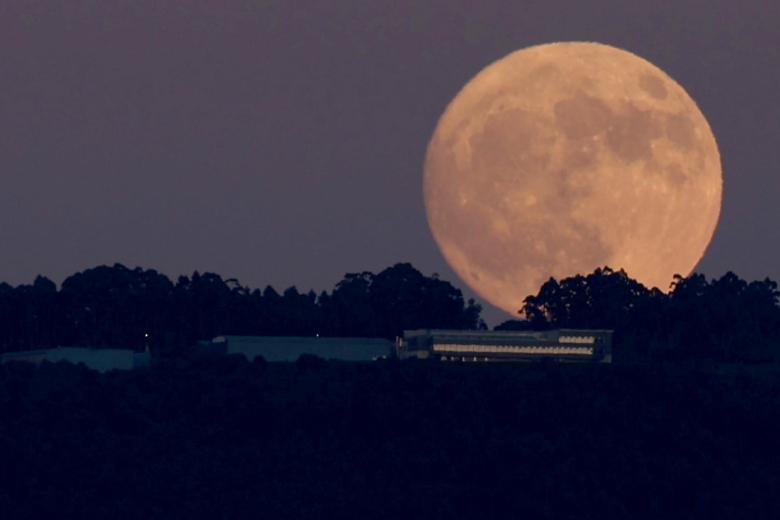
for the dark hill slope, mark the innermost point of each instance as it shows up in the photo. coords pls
(388, 440)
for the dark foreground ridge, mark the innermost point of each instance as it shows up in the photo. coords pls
(314, 439)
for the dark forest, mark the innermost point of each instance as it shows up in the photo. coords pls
(117, 307)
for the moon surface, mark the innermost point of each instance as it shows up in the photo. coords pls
(564, 157)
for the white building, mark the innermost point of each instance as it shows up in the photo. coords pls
(482, 345)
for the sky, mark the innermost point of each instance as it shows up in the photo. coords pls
(282, 142)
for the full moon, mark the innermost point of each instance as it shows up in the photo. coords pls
(561, 158)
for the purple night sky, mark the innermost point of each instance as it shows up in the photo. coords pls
(282, 142)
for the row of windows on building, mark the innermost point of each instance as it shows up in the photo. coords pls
(587, 340)
(514, 349)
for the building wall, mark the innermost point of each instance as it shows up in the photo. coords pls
(289, 349)
(563, 345)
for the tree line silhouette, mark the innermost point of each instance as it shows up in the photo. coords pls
(118, 307)
(725, 319)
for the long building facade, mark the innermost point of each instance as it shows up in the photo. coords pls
(567, 345)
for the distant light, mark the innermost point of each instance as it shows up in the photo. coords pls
(146, 334)
(317, 336)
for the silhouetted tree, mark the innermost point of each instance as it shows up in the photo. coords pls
(120, 307)
(727, 319)
(113, 306)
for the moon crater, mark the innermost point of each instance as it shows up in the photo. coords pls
(561, 158)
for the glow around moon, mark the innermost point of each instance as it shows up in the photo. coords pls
(562, 158)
